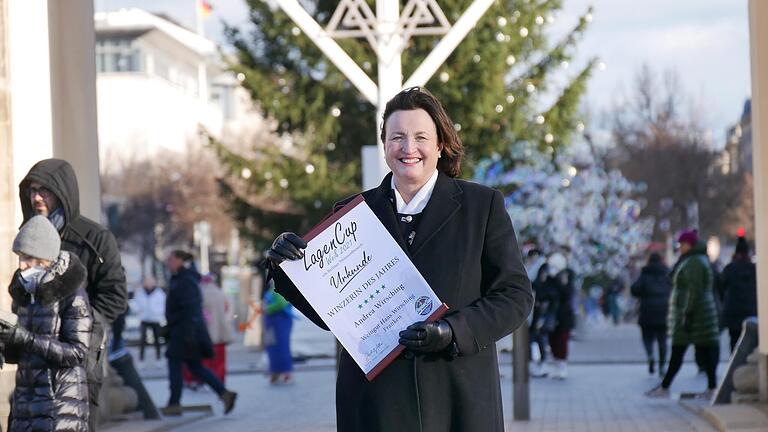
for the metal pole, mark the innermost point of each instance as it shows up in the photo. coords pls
(447, 44)
(389, 68)
(330, 48)
(521, 397)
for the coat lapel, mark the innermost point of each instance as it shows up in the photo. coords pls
(381, 205)
(442, 206)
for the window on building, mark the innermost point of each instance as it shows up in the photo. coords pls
(114, 54)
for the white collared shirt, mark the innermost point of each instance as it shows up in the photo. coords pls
(419, 201)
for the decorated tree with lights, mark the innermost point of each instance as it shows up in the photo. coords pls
(572, 205)
(506, 82)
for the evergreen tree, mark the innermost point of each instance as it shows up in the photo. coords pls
(498, 86)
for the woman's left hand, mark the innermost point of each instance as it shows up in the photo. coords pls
(426, 337)
(12, 334)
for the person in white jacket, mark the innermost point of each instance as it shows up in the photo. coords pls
(149, 304)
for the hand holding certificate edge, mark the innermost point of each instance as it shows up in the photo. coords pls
(288, 248)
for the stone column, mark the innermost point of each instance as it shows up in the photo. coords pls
(7, 201)
(50, 74)
(52, 68)
(758, 34)
(71, 39)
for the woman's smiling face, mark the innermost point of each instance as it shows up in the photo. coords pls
(411, 146)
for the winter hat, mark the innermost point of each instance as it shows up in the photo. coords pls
(38, 238)
(742, 247)
(691, 237)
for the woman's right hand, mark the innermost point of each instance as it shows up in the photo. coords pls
(287, 246)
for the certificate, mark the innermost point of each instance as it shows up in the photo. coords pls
(363, 285)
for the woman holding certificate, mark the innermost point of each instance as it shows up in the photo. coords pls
(460, 238)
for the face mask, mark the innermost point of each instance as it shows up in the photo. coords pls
(31, 277)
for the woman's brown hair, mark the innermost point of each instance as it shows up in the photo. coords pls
(419, 98)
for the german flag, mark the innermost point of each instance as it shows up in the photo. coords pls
(204, 8)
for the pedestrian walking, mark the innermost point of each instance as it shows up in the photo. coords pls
(544, 319)
(692, 318)
(49, 334)
(188, 339)
(565, 319)
(278, 322)
(652, 289)
(739, 282)
(149, 305)
(50, 189)
(218, 320)
(611, 306)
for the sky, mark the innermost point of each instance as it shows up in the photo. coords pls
(706, 42)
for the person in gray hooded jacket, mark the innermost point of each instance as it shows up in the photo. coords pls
(48, 334)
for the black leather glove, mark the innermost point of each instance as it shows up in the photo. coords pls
(11, 334)
(426, 337)
(287, 246)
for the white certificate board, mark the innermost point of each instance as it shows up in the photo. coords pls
(363, 285)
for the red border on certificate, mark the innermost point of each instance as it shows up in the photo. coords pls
(330, 220)
(436, 315)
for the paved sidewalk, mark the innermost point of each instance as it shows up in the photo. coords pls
(603, 393)
(603, 398)
(594, 398)
(605, 344)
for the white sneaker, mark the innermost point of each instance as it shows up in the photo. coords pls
(560, 370)
(658, 392)
(537, 370)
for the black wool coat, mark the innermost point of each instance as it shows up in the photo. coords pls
(566, 316)
(188, 336)
(739, 282)
(652, 289)
(51, 391)
(466, 249)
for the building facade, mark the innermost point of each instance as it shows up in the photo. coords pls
(738, 143)
(158, 83)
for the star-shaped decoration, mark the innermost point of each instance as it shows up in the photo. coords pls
(360, 306)
(366, 301)
(377, 291)
(371, 295)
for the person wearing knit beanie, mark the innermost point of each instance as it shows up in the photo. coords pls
(742, 246)
(48, 333)
(38, 238)
(690, 237)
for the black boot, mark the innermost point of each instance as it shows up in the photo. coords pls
(651, 367)
(228, 397)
